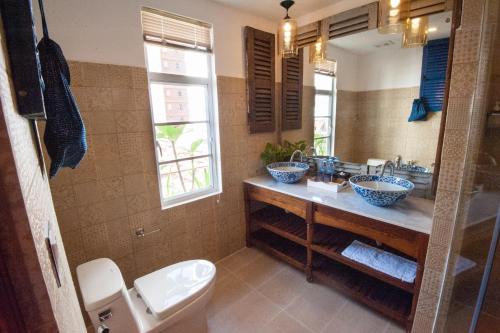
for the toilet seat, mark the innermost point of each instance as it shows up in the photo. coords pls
(170, 289)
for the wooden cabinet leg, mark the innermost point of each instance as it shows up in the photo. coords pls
(247, 217)
(310, 233)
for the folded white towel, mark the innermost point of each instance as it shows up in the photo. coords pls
(463, 264)
(383, 261)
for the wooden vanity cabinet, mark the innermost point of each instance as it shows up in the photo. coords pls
(311, 237)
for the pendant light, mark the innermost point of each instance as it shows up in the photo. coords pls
(287, 33)
(317, 50)
(415, 32)
(391, 15)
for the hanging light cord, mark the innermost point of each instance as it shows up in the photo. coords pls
(287, 4)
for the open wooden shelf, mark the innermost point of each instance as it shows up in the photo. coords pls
(282, 248)
(286, 225)
(330, 242)
(380, 296)
(312, 237)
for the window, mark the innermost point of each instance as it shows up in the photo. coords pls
(324, 107)
(183, 108)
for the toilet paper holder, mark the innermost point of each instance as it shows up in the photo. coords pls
(139, 232)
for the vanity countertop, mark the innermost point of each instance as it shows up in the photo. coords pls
(412, 213)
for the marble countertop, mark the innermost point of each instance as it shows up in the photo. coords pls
(411, 213)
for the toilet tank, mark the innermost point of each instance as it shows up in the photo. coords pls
(105, 296)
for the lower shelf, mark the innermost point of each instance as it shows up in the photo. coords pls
(385, 298)
(284, 249)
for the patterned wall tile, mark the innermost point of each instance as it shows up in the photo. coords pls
(468, 86)
(463, 83)
(466, 46)
(27, 210)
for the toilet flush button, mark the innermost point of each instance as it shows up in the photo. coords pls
(105, 315)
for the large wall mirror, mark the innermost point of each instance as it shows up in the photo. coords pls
(373, 93)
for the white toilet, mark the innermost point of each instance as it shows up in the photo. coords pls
(171, 300)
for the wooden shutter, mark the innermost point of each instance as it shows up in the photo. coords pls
(354, 21)
(260, 72)
(428, 7)
(291, 95)
(308, 34)
(434, 64)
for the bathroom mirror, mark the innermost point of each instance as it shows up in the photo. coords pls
(375, 87)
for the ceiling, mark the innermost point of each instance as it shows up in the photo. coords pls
(372, 41)
(271, 9)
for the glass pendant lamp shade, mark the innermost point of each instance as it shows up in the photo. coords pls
(317, 51)
(287, 34)
(415, 32)
(391, 14)
(288, 38)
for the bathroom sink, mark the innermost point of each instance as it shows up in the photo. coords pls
(381, 190)
(288, 172)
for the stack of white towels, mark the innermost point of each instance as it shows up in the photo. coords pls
(383, 261)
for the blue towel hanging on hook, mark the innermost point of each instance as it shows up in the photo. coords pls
(418, 110)
(65, 132)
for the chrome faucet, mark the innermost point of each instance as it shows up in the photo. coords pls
(295, 152)
(398, 161)
(389, 164)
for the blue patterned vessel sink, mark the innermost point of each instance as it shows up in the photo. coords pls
(288, 172)
(381, 190)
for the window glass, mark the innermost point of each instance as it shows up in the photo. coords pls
(323, 82)
(183, 113)
(178, 102)
(168, 60)
(324, 114)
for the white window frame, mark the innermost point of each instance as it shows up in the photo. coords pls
(332, 107)
(212, 123)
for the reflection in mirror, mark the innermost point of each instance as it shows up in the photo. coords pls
(376, 85)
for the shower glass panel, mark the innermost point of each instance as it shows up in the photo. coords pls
(472, 302)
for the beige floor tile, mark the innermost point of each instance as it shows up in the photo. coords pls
(394, 328)
(259, 271)
(283, 323)
(252, 289)
(284, 287)
(239, 259)
(228, 291)
(248, 315)
(355, 318)
(316, 306)
(222, 273)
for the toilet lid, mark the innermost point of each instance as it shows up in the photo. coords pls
(169, 289)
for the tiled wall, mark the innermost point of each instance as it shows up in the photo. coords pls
(25, 210)
(374, 124)
(465, 124)
(115, 189)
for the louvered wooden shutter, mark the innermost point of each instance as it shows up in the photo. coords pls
(434, 63)
(428, 7)
(308, 34)
(291, 95)
(354, 21)
(260, 74)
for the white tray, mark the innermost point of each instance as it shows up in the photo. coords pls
(331, 187)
